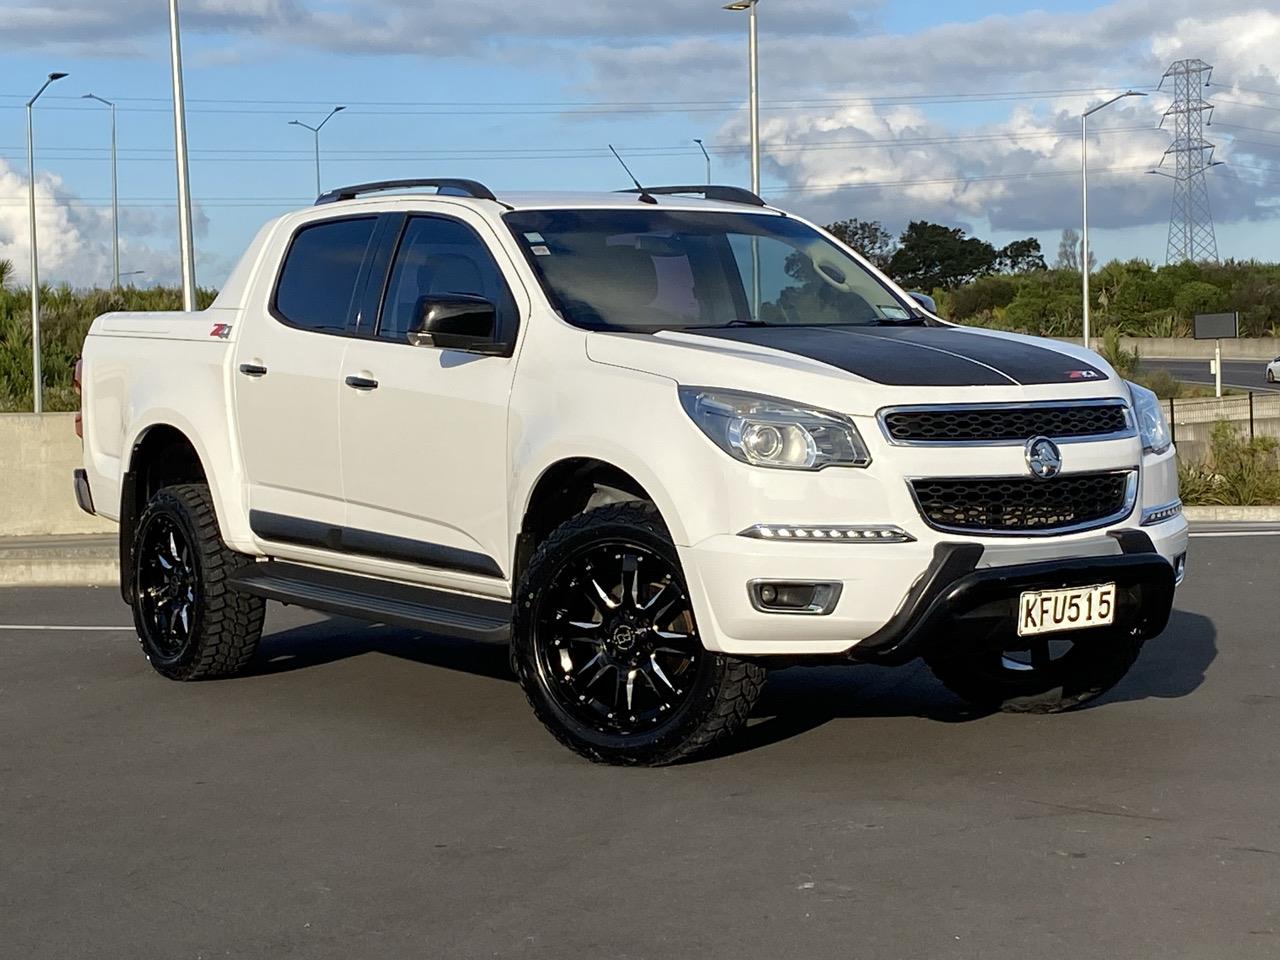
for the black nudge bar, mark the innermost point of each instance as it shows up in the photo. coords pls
(955, 602)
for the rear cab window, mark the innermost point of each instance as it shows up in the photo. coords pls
(319, 279)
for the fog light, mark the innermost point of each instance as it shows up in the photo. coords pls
(792, 596)
(1179, 568)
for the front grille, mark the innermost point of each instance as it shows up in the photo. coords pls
(1024, 504)
(997, 424)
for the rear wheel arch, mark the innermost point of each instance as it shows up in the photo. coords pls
(162, 455)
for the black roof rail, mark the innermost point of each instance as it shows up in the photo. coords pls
(710, 191)
(448, 186)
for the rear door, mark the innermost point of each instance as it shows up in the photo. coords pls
(288, 379)
(424, 429)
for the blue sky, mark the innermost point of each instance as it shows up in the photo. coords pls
(965, 114)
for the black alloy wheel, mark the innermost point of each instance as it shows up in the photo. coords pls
(607, 649)
(191, 623)
(168, 591)
(615, 638)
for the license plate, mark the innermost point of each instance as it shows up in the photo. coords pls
(1075, 608)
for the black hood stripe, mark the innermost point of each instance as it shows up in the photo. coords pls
(919, 356)
(949, 353)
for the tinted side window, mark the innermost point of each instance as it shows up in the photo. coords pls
(318, 279)
(439, 257)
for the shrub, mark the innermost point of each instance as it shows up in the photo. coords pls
(1160, 382)
(982, 296)
(1238, 471)
(1125, 362)
(65, 316)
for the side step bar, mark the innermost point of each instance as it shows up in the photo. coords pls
(381, 601)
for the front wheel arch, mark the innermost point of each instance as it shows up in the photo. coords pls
(566, 489)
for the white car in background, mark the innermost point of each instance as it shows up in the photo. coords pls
(658, 443)
(1273, 370)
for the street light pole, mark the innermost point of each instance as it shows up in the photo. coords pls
(115, 194)
(186, 243)
(753, 72)
(37, 381)
(316, 130)
(1084, 202)
(702, 146)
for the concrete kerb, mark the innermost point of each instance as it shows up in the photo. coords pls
(66, 561)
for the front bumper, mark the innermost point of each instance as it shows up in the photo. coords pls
(956, 602)
(889, 596)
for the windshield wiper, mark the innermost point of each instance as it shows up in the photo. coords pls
(731, 323)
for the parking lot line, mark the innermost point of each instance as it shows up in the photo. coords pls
(1236, 533)
(71, 627)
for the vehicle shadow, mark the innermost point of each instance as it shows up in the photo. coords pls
(795, 700)
(337, 638)
(1172, 665)
(801, 699)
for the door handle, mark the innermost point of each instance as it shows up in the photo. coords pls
(361, 383)
(253, 370)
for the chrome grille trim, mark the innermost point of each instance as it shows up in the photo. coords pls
(1129, 431)
(1126, 509)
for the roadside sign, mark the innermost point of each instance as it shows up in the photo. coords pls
(1217, 326)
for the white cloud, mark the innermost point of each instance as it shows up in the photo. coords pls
(1020, 173)
(1014, 164)
(75, 237)
(422, 26)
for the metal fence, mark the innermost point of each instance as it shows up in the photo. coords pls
(1191, 419)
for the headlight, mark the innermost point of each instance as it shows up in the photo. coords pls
(774, 433)
(1152, 426)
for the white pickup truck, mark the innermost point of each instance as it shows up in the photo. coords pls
(658, 441)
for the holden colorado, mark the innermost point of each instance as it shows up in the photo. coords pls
(658, 442)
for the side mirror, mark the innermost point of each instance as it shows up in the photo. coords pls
(924, 300)
(455, 321)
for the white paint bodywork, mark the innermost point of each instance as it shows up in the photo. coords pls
(450, 448)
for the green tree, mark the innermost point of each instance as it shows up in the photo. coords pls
(930, 255)
(6, 273)
(1069, 253)
(868, 237)
(1198, 297)
(1020, 256)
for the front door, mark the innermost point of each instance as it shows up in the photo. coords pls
(288, 381)
(424, 430)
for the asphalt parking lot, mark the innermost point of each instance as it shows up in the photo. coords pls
(371, 792)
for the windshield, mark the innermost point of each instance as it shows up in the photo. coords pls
(649, 269)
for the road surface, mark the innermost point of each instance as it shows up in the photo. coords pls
(1240, 374)
(370, 792)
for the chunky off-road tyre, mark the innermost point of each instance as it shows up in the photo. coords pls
(1043, 680)
(607, 649)
(191, 624)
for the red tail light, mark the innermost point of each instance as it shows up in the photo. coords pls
(75, 382)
